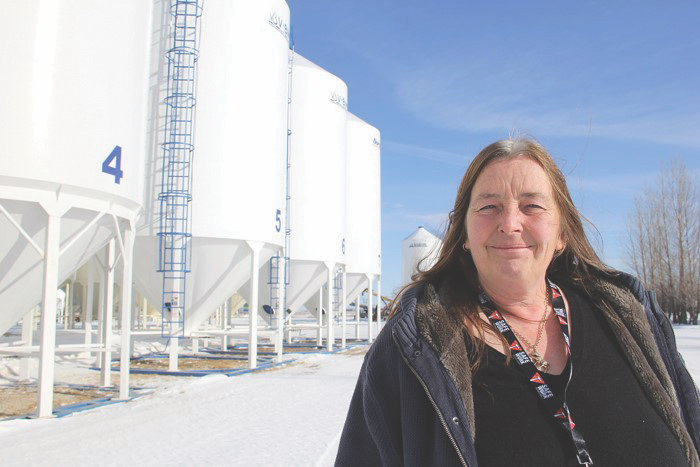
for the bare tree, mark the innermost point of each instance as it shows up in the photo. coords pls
(664, 242)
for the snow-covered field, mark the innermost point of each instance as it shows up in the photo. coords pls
(688, 341)
(291, 416)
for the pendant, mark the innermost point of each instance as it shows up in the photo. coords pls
(540, 363)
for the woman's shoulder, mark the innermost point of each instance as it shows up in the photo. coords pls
(401, 331)
(387, 354)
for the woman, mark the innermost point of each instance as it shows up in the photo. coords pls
(519, 346)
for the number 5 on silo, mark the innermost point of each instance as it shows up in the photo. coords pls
(116, 156)
(278, 221)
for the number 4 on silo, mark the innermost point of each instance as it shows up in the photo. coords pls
(116, 156)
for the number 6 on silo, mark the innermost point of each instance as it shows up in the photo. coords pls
(116, 156)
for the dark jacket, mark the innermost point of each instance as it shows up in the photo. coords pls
(413, 402)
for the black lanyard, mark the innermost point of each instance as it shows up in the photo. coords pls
(560, 411)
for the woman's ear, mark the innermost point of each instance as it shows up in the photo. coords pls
(561, 244)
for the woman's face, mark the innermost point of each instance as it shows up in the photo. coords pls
(512, 222)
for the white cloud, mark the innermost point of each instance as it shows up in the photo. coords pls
(554, 97)
(399, 219)
(422, 152)
(618, 184)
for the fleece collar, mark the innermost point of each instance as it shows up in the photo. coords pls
(444, 332)
(628, 320)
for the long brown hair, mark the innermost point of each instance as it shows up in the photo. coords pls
(454, 271)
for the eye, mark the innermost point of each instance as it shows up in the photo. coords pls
(533, 207)
(488, 207)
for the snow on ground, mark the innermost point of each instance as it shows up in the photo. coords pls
(688, 341)
(291, 416)
(288, 416)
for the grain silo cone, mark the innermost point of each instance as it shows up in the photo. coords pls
(75, 84)
(419, 251)
(239, 162)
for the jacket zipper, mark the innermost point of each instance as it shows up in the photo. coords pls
(432, 401)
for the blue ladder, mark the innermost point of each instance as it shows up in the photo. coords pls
(175, 232)
(276, 279)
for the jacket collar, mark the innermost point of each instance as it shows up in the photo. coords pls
(425, 317)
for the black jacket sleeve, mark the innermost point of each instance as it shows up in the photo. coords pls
(686, 390)
(372, 435)
(357, 447)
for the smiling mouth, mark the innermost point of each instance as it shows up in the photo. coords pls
(511, 247)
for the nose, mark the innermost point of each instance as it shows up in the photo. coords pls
(511, 221)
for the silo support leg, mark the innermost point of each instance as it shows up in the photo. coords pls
(174, 344)
(67, 306)
(100, 310)
(357, 317)
(224, 326)
(27, 338)
(370, 336)
(343, 314)
(144, 313)
(127, 303)
(253, 305)
(319, 318)
(106, 369)
(329, 307)
(87, 320)
(379, 304)
(48, 318)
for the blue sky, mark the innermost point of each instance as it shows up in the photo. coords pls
(609, 87)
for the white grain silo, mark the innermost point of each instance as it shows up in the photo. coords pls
(418, 250)
(317, 185)
(363, 205)
(75, 99)
(239, 165)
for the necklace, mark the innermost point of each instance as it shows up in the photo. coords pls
(537, 358)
